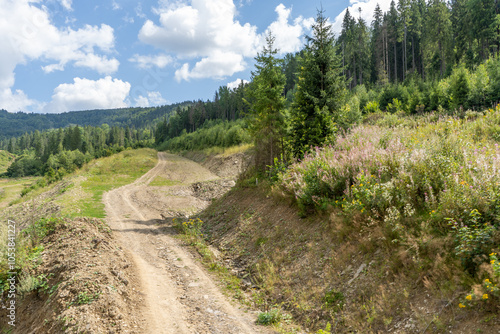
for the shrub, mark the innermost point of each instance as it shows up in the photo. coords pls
(371, 107)
(274, 316)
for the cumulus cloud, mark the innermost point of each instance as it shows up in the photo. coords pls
(84, 94)
(219, 65)
(150, 61)
(236, 83)
(288, 36)
(367, 10)
(26, 33)
(209, 33)
(15, 101)
(152, 100)
(199, 29)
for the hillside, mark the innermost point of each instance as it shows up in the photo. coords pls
(128, 273)
(6, 159)
(15, 124)
(392, 229)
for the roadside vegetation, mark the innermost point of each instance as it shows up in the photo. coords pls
(77, 195)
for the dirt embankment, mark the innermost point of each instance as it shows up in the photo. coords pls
(82, 283)
(322, 269)
(129, 274)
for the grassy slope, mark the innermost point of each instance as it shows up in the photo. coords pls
(372, 263)
(89, 184)
(6, 159)
(77, 194)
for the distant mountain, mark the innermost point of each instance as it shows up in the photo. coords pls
(15, 124)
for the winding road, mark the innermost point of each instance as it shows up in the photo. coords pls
(179, 295)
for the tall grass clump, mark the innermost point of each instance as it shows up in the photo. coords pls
(443, 176)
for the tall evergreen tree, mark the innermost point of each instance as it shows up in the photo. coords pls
(320, 90)
(266, 96)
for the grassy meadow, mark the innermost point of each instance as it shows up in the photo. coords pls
(101, 175)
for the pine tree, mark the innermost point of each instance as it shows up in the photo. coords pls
(320, 91)
(266, 97)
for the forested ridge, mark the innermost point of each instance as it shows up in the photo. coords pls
(16, 124)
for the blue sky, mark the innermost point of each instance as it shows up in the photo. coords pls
(66, 55)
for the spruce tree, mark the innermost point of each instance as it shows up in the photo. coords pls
(320, 91)
(267, 102)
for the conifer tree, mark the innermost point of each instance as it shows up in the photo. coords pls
(267, 101)
(320, 91)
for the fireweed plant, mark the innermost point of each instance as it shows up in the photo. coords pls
(438, 173)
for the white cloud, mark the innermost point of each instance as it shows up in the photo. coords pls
(84, 94)
(15, 101)
(208, 33)
(201, 28)
(367, 10)
(149, 61)
(152, 100)
(67, 4)
(116, 5)
(236, 83)
(138, 11)
(26, 33)
(288, 37)
(101, 64)
(218, 65)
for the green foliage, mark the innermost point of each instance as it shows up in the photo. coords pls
(320, 91)
(273, 317)
(87, 298)
(15, 124)
(474, 239)
(276, 170)
(190, 227)
(327, 330)
(334, 299)
(488, 291)
(422, 168)
(371, 107)
(56, 152)
(460, 87)
(212, 134)
(266, 119)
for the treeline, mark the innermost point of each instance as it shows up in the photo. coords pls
(55, 152)
(417, 37)
(16, 124)
(213, 133)
(227, 105)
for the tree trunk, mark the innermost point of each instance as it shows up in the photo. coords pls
(395, 62)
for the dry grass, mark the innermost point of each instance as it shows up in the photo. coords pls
(297, 263)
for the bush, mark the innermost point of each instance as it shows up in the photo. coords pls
(274, 316)
(428, 167)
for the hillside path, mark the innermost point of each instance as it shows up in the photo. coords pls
(179, 295)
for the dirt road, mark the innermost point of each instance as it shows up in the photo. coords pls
(180, 297)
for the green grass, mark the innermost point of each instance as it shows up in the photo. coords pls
(160, 181)
(10, 189)
(6, 159)
(109, 173)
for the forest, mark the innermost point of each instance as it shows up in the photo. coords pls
(16, 124)
(433, 56)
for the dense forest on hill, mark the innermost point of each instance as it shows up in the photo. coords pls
(53, 153)
(16, 124)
